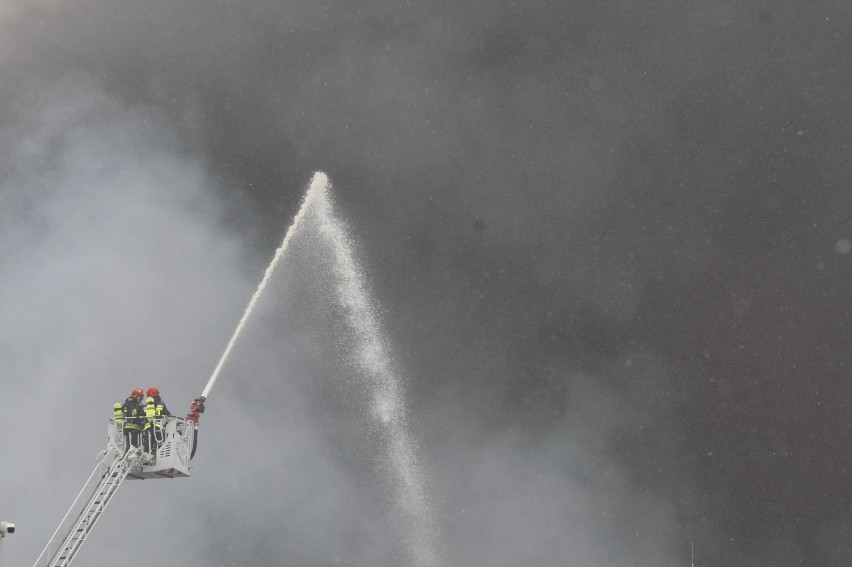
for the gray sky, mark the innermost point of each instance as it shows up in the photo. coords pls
(610, 242)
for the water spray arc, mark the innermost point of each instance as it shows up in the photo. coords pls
(318, 184)
(376, 375)
(380, 378)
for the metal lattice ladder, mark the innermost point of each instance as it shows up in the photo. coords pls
(106, 478)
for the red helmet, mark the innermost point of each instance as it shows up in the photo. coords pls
(136, 392)
(152, 391)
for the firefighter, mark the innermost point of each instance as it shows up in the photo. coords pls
(129, 415)
(155, 409)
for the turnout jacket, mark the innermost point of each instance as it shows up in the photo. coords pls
(133, 413)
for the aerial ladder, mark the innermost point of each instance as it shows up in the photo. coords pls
(176, 441)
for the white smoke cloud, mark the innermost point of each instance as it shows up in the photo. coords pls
(117, 273)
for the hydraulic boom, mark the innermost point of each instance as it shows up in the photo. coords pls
(175, 445)
(106, 477)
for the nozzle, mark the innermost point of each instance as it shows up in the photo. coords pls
(196, 408)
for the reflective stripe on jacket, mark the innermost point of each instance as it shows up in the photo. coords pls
(132, 414)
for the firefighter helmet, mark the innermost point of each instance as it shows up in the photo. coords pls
(136, 393)
(153, 391)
